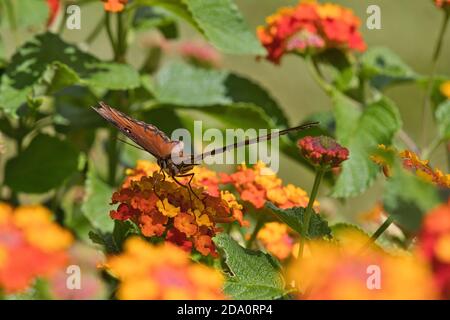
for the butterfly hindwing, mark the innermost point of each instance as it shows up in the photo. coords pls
(145, 135)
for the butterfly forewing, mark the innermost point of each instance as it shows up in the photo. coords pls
(145, 135)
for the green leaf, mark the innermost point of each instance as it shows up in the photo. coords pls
(241, 89)
(407, 198)
(384, 67)
(106, 240)
(219, 21)
(31, 13)
(361, 133)
(47, 58)
(182, 84)
(96, 205)
(177, 7)
(42, 166)
(293, 217)
(146, 18)
(443, 119)
(253, 275)
(223, 25)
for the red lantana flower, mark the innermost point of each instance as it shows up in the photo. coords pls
(53, 6)
(323, 151)
(310, 27)
(434, 244)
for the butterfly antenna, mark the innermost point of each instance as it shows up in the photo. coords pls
(130, 144)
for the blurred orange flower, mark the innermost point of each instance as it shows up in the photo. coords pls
(334, 270)
(162, 272)
(445, 89)
(163, 208)
(434, 244)
(310, 27)
(31, 246)
(442, 3)
(276, 238)
(114, 5)
(259, 184)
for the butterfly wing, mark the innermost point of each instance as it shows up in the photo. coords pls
(145, 135)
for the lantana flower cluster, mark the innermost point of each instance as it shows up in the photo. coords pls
(259, 184)
(163, 208)
(323, 151)
(339, 270)
(445, 4)
(162, 272)
(310, 27)
(31, 246)
(413, 163)
(114, 5)
(434, 245)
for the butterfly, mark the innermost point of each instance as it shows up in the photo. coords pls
(149, 138)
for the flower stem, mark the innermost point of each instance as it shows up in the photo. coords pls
(110, 34)
(309, 211)
(381, 229)
(258, 226)
(96, 31)
(429, 88)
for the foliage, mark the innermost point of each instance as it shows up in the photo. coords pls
(242, 233)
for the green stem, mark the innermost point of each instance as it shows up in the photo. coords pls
(113, 156)
(121, 39)
(427, 152)
(381, 229)
(317, 75)
(429, 88)
(110, 34)
(96, 31)
(309, 210)
(258, 226)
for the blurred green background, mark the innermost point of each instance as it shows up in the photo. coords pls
(409, 28)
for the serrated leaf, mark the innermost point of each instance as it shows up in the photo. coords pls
(361, 133)
(96, 205)
(254, 275)
(407, 198)
(182, 84)
(293, 217)
(223, 25)
(219, 21)
(30, 13)
(42, 166)
(384, 67)
(443, 119)
(30, 63)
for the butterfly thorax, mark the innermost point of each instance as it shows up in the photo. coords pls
(172, 168)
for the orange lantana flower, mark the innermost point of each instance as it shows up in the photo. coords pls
(31, 245)
(310, 27)
(162, 272)
(114, 5)
(259, 184)
(434, 244)
(163, 208)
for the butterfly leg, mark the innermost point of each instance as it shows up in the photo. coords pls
(184, 186)
(191, 176)
(154, 188)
